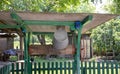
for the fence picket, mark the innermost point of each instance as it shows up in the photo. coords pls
(65, 68)
(52, 67)
(56, 63)
(43, 67)
(60, 67)
(98, 66)
(90, 68)
(22, 67)
(107, 67)
(13, 68)
(48, 66)
(85, 69)
(94, 68)
(82, 69)
(116, 67)
(69, 68)
(103, 68)
(112, 69)
(17, 68)
(39, 67)
(35, 68)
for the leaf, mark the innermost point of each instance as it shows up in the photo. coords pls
(7, 2)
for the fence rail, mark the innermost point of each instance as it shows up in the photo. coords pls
(67, 68)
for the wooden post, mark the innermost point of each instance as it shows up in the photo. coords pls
(26, 55)
(76, 69)
(21, 47)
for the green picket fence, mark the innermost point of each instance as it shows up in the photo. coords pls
(5, 69)
(67, 68)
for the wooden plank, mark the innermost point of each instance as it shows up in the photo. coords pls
(56, 63)
(98, 68)
(94, 68)
(116, 68)
(17, 68)
(35, 68)
(43, 67)
(22, 67)
(85, 67)
(39, 68)
(112, 68)
(44, 28)
(103, 68)
(107, 63)
(13, 68)
(48, 66)
(97, 18)
(52, 67)
(60, 67)
(82, 68)
(69, 67)
(65, 67)
(90, 67)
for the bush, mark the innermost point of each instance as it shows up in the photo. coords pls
(13, 58)
(117, 58)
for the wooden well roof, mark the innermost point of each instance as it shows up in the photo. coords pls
(6, 19)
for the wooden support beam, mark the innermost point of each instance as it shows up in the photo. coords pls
(2, 26)
(50, 23)
(19, 20)
(86, 20)
(78, 44)
(38, 33)
(26, 55)
(16, 17)
(21, 46)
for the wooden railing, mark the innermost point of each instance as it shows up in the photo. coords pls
(67, 68)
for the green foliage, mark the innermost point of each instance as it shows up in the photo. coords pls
(113, 6)
(107, 36)
(47, 5)
(34, 40)
(13, 58)
(117, 58)
(48, 38)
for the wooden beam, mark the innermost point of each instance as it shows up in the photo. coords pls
(52, 23)
(87, 19)
(16, 17)
(38, 33)
(2, 26)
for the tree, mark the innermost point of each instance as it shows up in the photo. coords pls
(113, 6)
(107, 36)
(47, 5)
